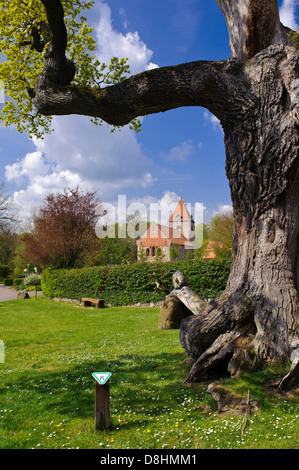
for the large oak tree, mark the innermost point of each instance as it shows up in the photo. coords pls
(255, 96)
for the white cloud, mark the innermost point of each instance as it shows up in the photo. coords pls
(96, 154)
(180, 153)
(169, 198)
(209, 117)
(288, 13)
(223, 209)
(115, 44)
(80, 153)
(39, 187)
(125, 21)
(77, 152)
(32, 163)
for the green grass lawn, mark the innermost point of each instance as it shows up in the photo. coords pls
(47, 391)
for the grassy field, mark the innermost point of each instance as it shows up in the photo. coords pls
(47, 391)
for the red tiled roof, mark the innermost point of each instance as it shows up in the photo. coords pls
(160, 235)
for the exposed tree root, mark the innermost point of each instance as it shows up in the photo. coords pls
(292, 378)
(219, 337)
(228, 349)
(224, 341)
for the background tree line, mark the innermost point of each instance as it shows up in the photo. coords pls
(62, 235)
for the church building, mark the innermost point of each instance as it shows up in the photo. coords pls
(170, 242)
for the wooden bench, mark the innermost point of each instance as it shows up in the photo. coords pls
(98, 303)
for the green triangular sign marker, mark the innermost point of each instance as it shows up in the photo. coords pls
(101, 377)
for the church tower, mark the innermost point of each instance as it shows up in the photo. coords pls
(182, 221)
(159, 239)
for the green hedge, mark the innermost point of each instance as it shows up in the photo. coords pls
(129, 284)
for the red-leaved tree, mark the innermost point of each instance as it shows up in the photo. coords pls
(63, 235)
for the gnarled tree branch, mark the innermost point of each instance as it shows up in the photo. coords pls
(55, 17)
(213, 85)
(253, 26)
(57, 68)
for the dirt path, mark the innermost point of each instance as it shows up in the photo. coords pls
(7, 293)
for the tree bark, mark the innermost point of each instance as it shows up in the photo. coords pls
(256, 318)
(58, 70)
(208, 84)
(253, 25)
(255, 95)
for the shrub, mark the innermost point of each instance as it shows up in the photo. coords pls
(129, 284)
(8, 282)
(17, 282)
(31, 281)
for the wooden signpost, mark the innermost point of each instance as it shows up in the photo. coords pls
(102, 413)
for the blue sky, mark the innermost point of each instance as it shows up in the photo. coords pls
(179, 152)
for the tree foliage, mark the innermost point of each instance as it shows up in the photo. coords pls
(24, 38)
(220, 231)
(38, 37)
(8, 245)
(117, 250)
(63, 234)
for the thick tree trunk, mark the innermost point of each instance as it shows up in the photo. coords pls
(257, 317)
(262, 168)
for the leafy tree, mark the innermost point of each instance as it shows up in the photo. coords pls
(64, 231)
(117, 251)
(254, 94)
(27, 42)
(220, 231)
(20, 260)
(200, 252)
(8, 244)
